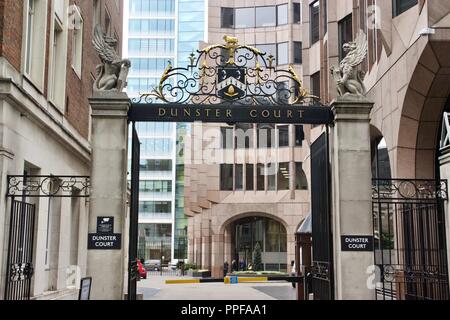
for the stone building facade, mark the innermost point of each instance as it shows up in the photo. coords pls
(47, 69)
(406, 77)
(256, 191)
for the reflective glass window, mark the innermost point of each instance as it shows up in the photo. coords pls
(266, 16)
(245, 18)
(282, 14)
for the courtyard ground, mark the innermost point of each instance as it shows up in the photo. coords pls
(155, 288)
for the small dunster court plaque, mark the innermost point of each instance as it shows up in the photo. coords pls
(357, 243)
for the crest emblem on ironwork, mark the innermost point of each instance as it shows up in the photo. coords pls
(228, 73)
(231, 83)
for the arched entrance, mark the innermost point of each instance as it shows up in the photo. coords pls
(229, 84)
(258, 236)
(410, 194)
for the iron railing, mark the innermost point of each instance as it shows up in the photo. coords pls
(410, 242)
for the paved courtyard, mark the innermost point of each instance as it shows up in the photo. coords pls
(154, 288)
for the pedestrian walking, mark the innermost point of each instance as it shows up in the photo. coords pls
(242, 265)
(225, 268)
(234, 266)
(293, 272)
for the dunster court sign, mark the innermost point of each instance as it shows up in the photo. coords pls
(231, 114)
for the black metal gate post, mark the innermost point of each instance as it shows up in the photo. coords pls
(134, 215)
(322, 243)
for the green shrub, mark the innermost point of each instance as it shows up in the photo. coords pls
(190, 266)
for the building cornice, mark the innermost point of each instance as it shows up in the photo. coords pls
(59, 129)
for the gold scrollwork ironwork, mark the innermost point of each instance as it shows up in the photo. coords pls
(229, 73)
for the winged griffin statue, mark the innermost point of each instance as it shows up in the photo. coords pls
(349, 79)
(113, 72)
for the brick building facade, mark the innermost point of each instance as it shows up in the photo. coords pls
(47, 70)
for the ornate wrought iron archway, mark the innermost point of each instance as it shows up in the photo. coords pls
(223, 83)
(230, 83)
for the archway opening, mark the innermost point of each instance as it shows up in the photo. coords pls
(257, 244)
(381, 165)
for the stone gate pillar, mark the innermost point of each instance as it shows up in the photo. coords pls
(109, 191)
(352, 198)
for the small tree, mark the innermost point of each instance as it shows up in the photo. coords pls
(257, 261)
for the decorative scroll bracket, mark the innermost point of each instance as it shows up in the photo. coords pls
(48, 186)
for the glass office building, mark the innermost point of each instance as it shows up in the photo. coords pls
(159, 32)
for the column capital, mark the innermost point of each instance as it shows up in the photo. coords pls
(110, 104)
(351, 108)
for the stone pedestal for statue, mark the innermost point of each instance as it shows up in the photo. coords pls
(352, 196)
(109, 190)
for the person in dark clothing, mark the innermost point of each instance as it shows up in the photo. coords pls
(242, 265)
(225, 268)
(293, 272)
(234, 266)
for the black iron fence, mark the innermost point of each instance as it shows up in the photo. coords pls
(156, 257)
(19, 270)
(410, 244)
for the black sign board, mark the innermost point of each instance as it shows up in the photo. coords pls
(357, 243)
(85, 289)
(105, 225)
(98, 241)
(299, 114)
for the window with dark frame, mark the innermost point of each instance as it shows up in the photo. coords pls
(299, 135)
(315, 21)
(283, 176)
(298, 55)
(297, 12)
(227, 18)
(283, 136)
(249, 174)
(226, 177)
(400, 6)
(315, 84)
(345, 27)
(259, 16)
(238, 177)
(260, 174)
